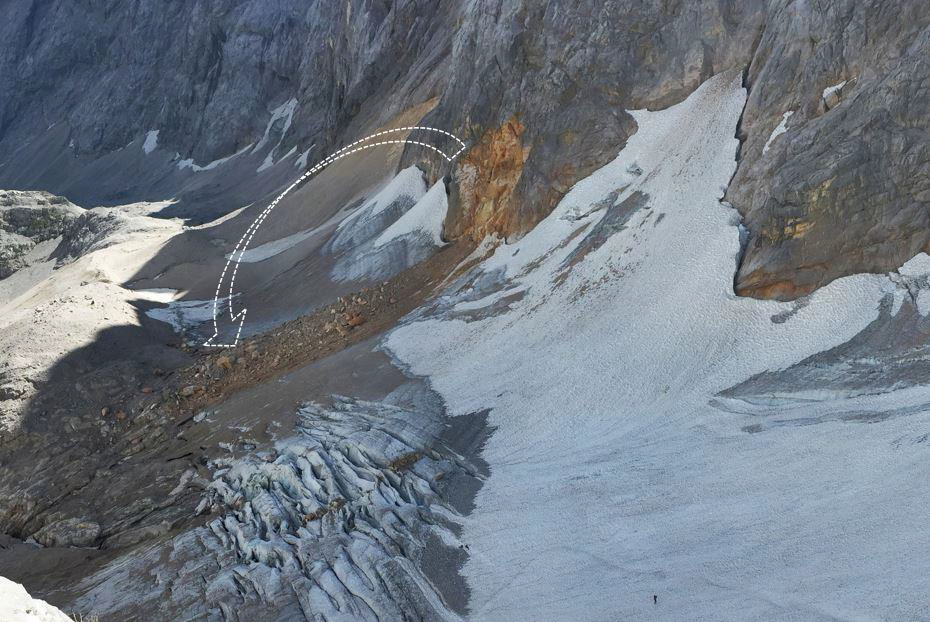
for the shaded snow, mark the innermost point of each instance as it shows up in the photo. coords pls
(778, 131)
(189, 163)
(276, 247)
(425, 217)
(917, 266)
(614, 476)
(16, 605)
(283, 114)
(151, 141)
(407, 183)
(301, 161)
(396, 229)
(269, 160)
(913, 279)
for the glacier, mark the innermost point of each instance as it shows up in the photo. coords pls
(601, 342)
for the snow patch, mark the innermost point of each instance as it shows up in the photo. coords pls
(184, 315)
(301, 161)
(408, 182)
(269, 161)
(916, 266)
(285, 114)
(275, 247)
(378, 240)
(151, 141)
(830, 90)
(189, 163)
(425, 217)
(778, 131)
(163, 295)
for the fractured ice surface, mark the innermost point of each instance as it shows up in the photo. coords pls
(331, 525)
(184, 315)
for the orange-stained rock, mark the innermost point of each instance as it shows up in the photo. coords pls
(489, 173)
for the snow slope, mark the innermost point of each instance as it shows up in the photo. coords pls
(16, 605)
(397, 228)
(600, 341)
(408, 183)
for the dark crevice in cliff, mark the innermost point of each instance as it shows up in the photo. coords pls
(744, 233)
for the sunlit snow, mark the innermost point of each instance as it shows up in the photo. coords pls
(16, 605)
(425, 217)
(607, 333)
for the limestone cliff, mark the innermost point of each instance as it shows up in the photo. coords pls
(832, 175)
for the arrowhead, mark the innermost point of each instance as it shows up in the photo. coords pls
(236, 329)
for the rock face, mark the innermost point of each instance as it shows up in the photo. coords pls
(211, 78)
(539, 89)
(13, 249)
(38, 216)
(847, 187)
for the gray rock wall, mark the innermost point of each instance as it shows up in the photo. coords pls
(558, 77)
(205, 73)
(538, 89)
(847, 187)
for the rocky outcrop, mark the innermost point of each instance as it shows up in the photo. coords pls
(13, 250)
(27, 218)
(69, 532)
(488, 176)
(96, 229)
(36, 215)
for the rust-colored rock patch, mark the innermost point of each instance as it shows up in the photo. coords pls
(489, 174)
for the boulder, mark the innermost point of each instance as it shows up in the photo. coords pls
(69, 532)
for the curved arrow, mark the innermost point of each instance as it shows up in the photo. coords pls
(236, 255)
